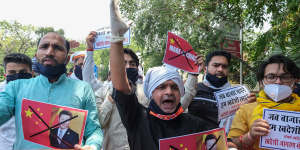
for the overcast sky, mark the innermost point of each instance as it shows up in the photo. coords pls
(76, 17)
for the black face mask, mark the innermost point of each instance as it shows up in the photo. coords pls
(215, 81)
(132, 74)
(78, 72)
(51, 72)
(18, 76)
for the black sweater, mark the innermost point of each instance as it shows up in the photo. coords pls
(204, 104)
(145, 130)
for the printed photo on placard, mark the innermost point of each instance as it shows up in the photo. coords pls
(51, 125)
(209, 140)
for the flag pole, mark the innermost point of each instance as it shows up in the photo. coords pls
(241, 53)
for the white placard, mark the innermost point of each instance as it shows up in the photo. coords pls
(103, 38)
(284, 130)
(230, 99)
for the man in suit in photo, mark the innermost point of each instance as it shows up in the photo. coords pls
(64, 137)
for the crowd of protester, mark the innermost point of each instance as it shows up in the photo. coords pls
(130, 110)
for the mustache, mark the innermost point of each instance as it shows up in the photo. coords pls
(169, 98)
(49, 57)
(220, 74)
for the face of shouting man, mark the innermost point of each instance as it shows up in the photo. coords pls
(167, 96)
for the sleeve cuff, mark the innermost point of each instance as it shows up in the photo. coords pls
(90, 49)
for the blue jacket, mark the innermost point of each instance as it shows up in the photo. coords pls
(64, 92)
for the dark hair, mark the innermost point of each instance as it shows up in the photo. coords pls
(65, 112)
(133, 55)
(210, 55)
(288, 66)
(67, 43)
(17, 58)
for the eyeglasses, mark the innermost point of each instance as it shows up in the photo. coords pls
(283, 78)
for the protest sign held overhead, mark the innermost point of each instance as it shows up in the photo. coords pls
(52, 125)
(180, 54)
(103, 38)
(230, 99)
(209, 140)
(284, 130)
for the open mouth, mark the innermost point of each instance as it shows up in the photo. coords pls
(168, 103)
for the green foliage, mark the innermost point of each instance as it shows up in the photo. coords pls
(15, 37)
(199, 23)
(41, 31)
(2, 74)
(101, 58)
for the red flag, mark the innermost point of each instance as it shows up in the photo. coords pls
(180, 54)
(38, 118)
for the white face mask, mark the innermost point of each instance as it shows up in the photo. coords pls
(278, 92)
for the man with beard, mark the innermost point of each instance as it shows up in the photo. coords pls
(164, 116)
(16, 66)
(204, 104)
(53, 87)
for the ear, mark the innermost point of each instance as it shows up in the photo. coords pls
(205, 69)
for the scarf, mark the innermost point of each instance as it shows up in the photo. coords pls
(265, 102)
(208, 84)
(155, 111)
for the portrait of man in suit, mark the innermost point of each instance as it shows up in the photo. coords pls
(63, 137)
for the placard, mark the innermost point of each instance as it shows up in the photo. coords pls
(284, 130)
(52, 125)
(230, 99)
(180, 54)
(209, 140)
(102, 40)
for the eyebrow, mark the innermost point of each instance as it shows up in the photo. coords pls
(220, 63)
(12, 71)
(271, 73)
(54, 45)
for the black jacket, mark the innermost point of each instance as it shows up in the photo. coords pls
(71, 137)
(204, 104)
(145, 130)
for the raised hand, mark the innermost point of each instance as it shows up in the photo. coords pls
(118, 26)
(74, 44)
(91, 39)
(200, 62)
